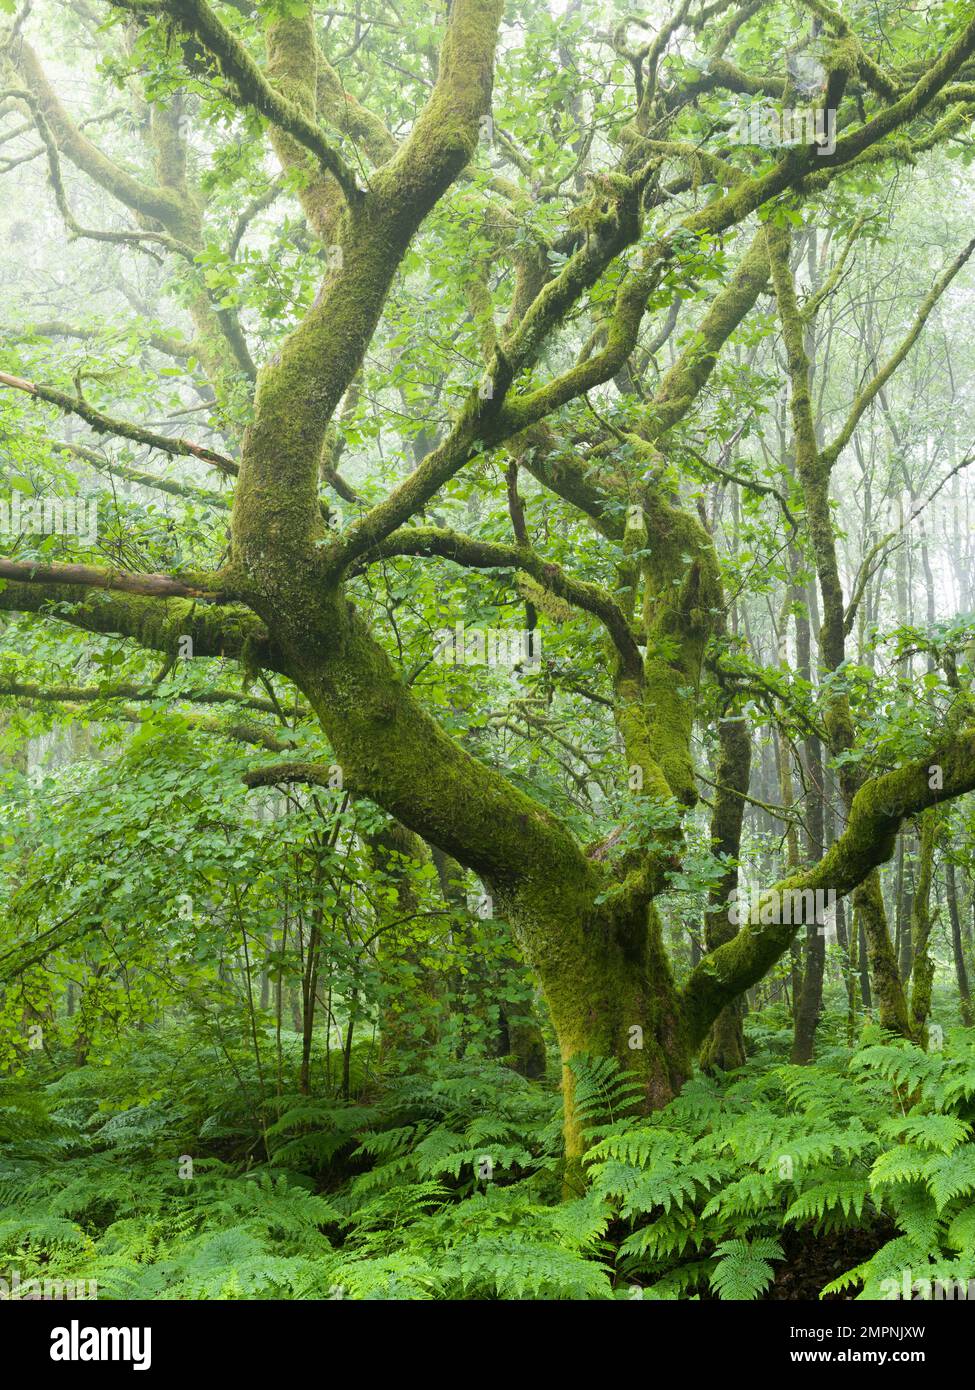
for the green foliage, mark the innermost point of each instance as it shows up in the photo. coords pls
(448, 1184)
(743, 1270)
(391, 1200)
(733, 1164)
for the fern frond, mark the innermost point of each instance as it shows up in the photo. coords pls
(743, 1270)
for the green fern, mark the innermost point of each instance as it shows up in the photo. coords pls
(743, 1270)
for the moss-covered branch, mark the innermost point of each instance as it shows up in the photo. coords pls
(291, 774)
(149, 200)
(868, 840)
(159, 624)
(276, 508)
(168, 343)
(99, 694)
(107, 424)
(198, 19)
(141, 240)
(91, 577)
(138, 476)
(473, 553)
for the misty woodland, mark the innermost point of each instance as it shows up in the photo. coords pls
(487, 649)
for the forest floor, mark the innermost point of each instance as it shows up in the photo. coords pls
(812, 1262)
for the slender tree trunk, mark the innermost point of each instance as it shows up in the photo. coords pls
(957, 946)
(866, 993)
(810, 1002)
(813, 468)
(905, 912)
(265, 974)
(724, 1048)
(922, 922)
(309, 999)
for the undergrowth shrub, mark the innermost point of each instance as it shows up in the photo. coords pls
(453, 1186)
